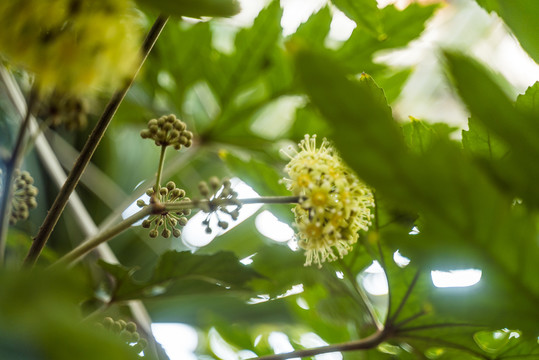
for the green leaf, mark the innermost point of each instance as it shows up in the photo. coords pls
(365, 13)
(253, 49)
(194, 8)
(420, 136)
(400, 27)
(529, 101)
(481, 143)
(521, 16)
(518, 129)
(465, 221)
(259, 175)
(182, 273)
(315, 29)
(39, 318)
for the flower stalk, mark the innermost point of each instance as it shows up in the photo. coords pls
(87, 246)
(87, 152)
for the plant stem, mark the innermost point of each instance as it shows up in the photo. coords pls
(362, 344)
(12, 164)
(156, 208)
(157, 185)
(89, 148)
(71, 257)
(174, 206)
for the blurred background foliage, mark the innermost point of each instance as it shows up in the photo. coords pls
(446, 199)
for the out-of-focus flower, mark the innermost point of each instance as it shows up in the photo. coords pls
(334, 204)
(71, 45)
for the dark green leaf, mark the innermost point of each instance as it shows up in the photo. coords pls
(481, 143)
(39, 318)
(182, 273)
(262, 177)
(194, 8)
(519, 129)
(420, 136)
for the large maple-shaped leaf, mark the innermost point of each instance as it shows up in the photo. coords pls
(182, 273)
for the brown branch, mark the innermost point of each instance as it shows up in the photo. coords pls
(362, 344)
(87, 152)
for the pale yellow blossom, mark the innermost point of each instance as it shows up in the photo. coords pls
(334, 203)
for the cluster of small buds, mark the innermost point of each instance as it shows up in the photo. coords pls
(68, 110)
(168, 131)
(218, 200)
(167, 221)
(127, 332)
(334, 204)
(24, 197)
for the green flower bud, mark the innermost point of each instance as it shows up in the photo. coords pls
(171, 185)
(153, 233)
(145, 133)
(186, 212)
(182, 221)
(32, 203)
(135, 337)
(131, 326)
(176, 232)
(146, 223)
(125, 336)
(179, 125)
(166, 233)
(108, 322)
(141, 203)
(215, 183)
(116, 327)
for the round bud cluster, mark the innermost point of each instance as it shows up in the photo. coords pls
(168, 131)
(68, 110)
(127, 331)
(334, 204)
(218, 196)
(24, 197)
(166, 223)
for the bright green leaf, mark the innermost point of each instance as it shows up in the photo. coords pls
(365, 13)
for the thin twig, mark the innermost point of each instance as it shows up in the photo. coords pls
(367, 343)
(12, 164)
(89, 148)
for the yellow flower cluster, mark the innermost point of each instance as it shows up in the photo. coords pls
(71, 45)
(334, 204)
